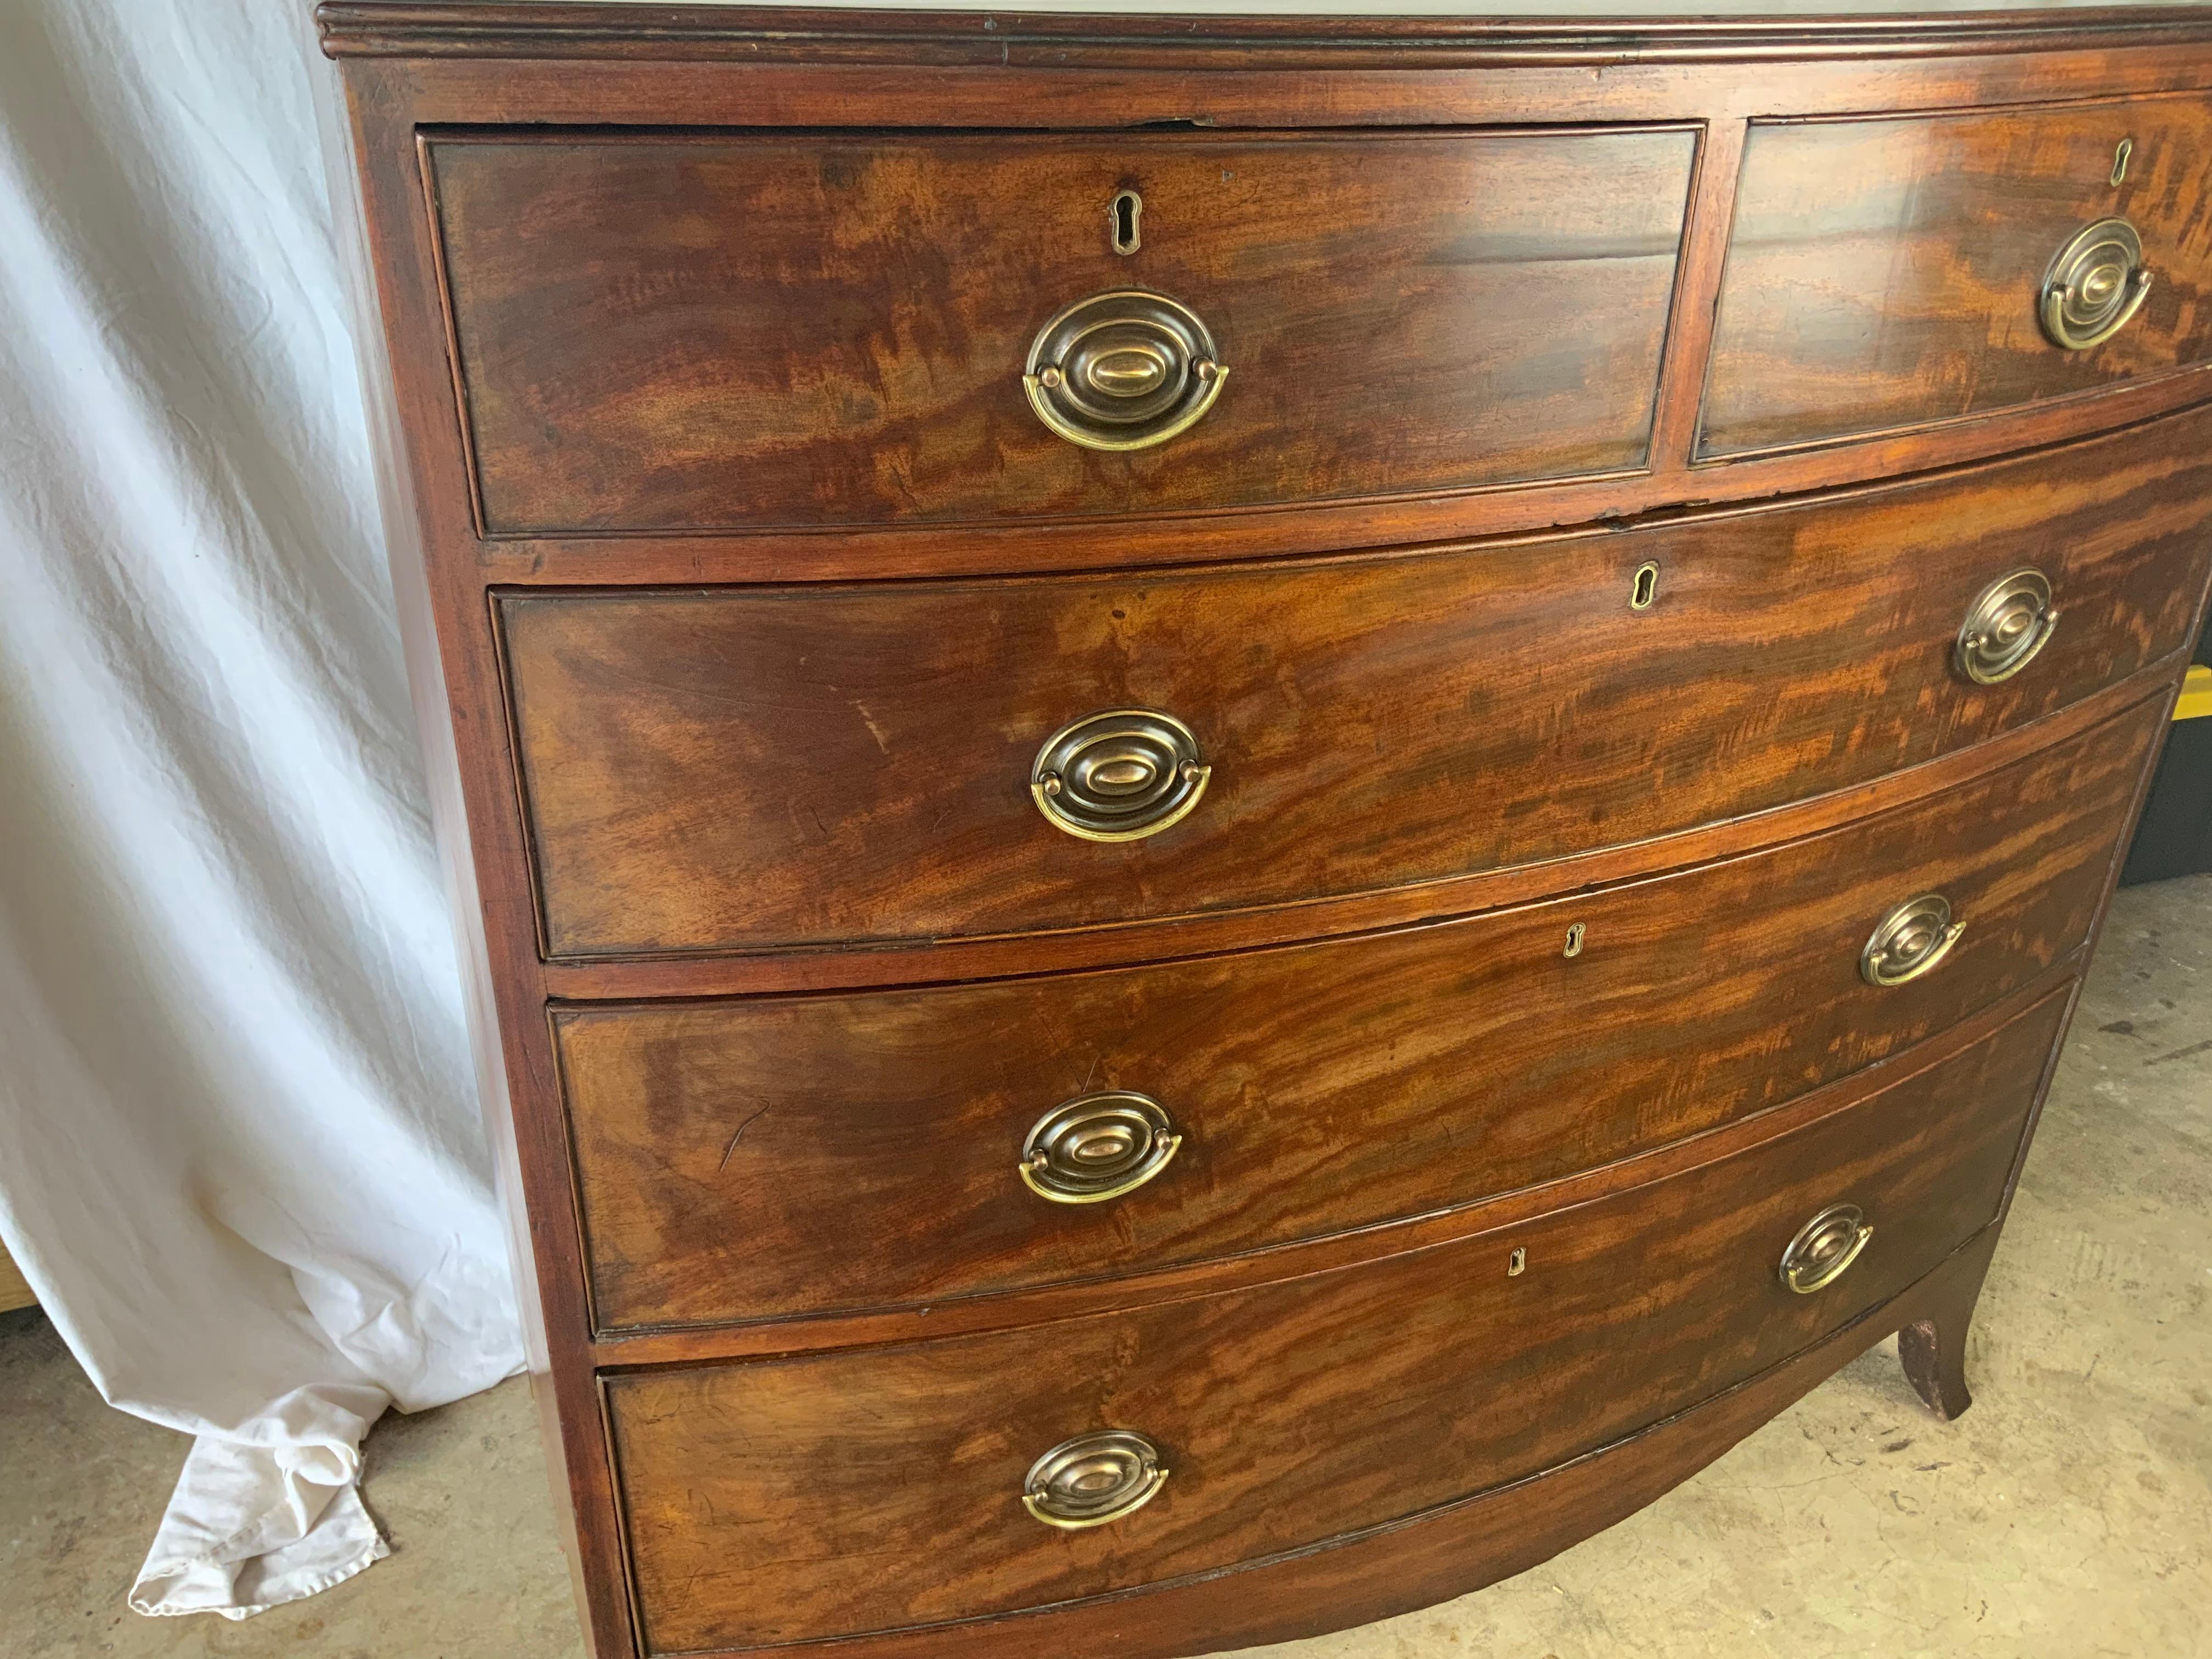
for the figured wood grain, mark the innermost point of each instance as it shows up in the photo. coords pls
(1884, 274)
(1449, 1550)
(656, 67)
(695, 1345)
(723, 1150)
(744, 768)
(780, 1501)
(702, 332)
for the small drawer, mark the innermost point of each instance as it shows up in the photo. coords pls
(772, 1157)
(1885, 274)
(862, 1490)
(724, 769)
(719, 331)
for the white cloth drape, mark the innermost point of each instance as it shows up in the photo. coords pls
(240, 1158)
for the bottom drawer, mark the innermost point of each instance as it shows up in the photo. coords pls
(865, 1490)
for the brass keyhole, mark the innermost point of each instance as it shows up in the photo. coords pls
(1123, 215)
(1574, 941)
(1517, 1263)
(1645, 588)
(2120, 160)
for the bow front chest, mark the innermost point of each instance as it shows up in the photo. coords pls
(1253, 810)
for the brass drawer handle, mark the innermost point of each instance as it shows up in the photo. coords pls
(1093, 1479)
(1125, 370)
(2095, 283)
(1119, 775)
(1824, 1247)
(1910, 941)
(1098, 1146)
(2009, 620)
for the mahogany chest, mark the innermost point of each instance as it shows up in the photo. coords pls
(1253, 810)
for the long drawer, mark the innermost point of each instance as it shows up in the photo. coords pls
(864, 1490)
(717, 330)
(732, 769)
(755, 1159)
(1885, 274)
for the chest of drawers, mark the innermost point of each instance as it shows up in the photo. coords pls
(1250, 812)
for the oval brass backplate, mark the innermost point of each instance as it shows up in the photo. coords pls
(1119, 775)
(2095, 283)
(2009, 620)
(1093, 1479)
(1098, 1146)
(1125, 370)
(1910, 941)
(1824, 1248)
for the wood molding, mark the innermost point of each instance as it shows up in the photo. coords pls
(407, 28)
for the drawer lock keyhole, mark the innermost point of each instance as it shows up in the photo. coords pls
(1124, 216)
(1645, 588)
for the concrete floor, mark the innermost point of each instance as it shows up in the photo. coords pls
(2067, 1516)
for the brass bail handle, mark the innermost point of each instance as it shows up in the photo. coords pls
(1120, 774)
(1093, 1479)
(1910, 941)
(1123, 371)
(1098, 1146)
(2094, 285)
(1824, 1248)
(2008, 623)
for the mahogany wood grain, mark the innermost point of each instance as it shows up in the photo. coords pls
(664, 67)
(692, 1345)
(1885, 274)
(710, 331)
(1446, 1550)
(669, 77)
(723, 1149)
(1036, 547)
(928, 962)
(727, 769)
(781, 1501)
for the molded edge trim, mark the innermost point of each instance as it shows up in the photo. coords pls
(430, 28)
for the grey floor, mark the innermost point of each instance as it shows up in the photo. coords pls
(2067, 1516)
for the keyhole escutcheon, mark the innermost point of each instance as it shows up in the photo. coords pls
(1644, 588)
(1125, 222)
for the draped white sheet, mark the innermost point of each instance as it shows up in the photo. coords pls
(240, 1158)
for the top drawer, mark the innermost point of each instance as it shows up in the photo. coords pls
(1889, 273)
(672, 332)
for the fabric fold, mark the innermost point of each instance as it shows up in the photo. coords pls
(256, 1521)
(240, 1157)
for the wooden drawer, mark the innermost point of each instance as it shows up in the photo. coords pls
(700, 332)
(790, 1155)
(749, 768)
(863, 1490)
(1885, 274)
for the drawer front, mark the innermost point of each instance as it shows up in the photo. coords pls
(871, 1488)
(722, 769)
(718, 331)
(726, 1152)
(1885, 274)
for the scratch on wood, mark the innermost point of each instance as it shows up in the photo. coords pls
(736, 1137)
